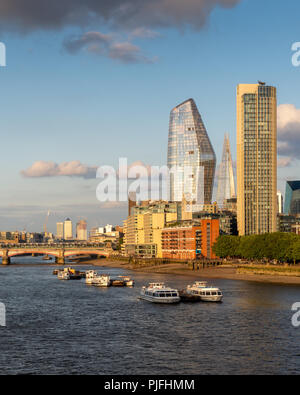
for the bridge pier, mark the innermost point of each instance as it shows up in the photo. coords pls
(60, 259)
(5, 258)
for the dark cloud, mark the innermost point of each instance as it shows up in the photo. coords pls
(107, 45)
(45, 14)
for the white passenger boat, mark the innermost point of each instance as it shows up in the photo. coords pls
(205, 293)
(93, 278)
(159, 293)
(129, 282)
(102, 280)
(196, 286)
(63, 275)
(211, 294)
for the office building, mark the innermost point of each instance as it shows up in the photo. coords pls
(81, 231)
(60, 230)
(256, 159)
(68, 229)
(292, 198)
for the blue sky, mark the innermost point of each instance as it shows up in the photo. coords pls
(92, 107)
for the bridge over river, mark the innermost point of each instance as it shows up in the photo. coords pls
(59, 252)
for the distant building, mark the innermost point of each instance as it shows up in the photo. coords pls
(285, 223)
(68, 229)
(81, 231)
(60, 230)
(279, 202)
(108, 228)
(230, 205)
(292, 198)
(226, 185)
(256, 159)
(227, 221)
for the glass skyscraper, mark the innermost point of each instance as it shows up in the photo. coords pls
(292, 198)
(191, 155)
(226, 185)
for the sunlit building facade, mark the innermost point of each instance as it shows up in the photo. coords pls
(81, 230)
(68, 229)
(256, 159)
(190, 152)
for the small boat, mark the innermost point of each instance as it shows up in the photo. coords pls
(160, 293)
(129, 282)
(67, 274)
(203, 292)
(63, 275)
(93, 278)
(102, 280)
(47, 258)
(118, 283)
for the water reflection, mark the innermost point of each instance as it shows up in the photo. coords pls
(68, 327)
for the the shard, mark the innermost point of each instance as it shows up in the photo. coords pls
(226, 185)
(190, 155)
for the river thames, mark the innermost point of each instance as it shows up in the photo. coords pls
(57, 327)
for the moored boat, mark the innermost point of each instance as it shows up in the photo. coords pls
(203, 292)
(93, 278)
(117, 282)
(160, 293)
(63, 275)
(211, 294)
(129, 282)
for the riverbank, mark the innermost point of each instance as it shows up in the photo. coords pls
(229, 272)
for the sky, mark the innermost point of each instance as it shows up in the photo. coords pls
(89, 82)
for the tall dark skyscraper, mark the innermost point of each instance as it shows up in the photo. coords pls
(190, 152)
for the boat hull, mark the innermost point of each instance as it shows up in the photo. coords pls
(212, 299)
(160, 300)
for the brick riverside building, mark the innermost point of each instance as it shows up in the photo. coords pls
(188, 242)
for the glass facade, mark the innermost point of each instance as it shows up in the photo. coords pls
(292, 198)
(226, 185)
(190, 152)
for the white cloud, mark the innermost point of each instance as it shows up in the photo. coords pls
(289, 131)
(51, 169)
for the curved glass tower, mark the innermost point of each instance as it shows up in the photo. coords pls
(191, 157)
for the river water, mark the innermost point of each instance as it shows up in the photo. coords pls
(57, 327)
